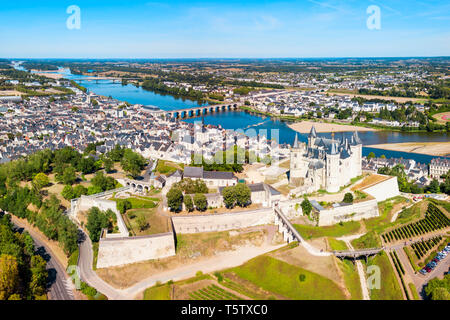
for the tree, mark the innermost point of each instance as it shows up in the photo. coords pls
(200, 202)
(68, 193)
(79, 190)
(40, 180)
(243, 194)
(87, 165)
(123, 205)
(188, 203)
(229, 197)
(9, 276)
(440, 294)
(102, 182)
(348, 198)
(142, 222)
(174, 199)
(434, 186)
(39, 275)
(97, 221)
(69, 176)
(132, 162)
(108, 164)
(306, 207)
(371, 155)
(432, 289)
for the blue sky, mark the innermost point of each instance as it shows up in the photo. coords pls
(212, 29)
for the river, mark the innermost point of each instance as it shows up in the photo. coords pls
(251, 124)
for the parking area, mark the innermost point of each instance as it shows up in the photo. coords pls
(439, 259)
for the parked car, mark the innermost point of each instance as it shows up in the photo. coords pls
(423, 271)
(428, 269)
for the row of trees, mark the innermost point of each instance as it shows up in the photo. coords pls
(231, 160)
(238, 195)
(175, 200)
(23, 273)
(156, 84)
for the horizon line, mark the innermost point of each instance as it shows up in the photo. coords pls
(224, 58)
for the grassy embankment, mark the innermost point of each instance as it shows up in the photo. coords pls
(335, 231)
(389, 287)
(287, 280)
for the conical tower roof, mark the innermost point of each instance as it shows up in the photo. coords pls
(313, 132)
(296, 145)
(356, 137)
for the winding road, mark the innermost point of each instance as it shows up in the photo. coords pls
(60, 285)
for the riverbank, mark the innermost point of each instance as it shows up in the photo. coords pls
(439, 149)
(305, 127)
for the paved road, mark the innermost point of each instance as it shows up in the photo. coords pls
(59, 282)
(88, 275)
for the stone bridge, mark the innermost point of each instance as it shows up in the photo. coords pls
(199, 111)
(355, 254)
(285, 227)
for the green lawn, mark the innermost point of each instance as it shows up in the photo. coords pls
(413, 290)
(389, 286)
(337, 245)
(167, 167)
(158, 292)
(379, 224)
(369, 240)
(140, 203)
(336, 231)
(282, 278)
(351, 278)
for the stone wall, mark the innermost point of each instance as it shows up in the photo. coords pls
(222, 222)
(384, 190)
(354, 212)
(121, 251)
(87, 202)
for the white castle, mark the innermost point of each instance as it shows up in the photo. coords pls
(326, 164)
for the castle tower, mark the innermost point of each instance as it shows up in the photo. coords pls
(312, 137)
(332, 169)
(356, 150)
(298, 165)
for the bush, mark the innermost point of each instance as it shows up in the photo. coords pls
(348, 198)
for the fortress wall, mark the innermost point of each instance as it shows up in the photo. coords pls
(222, 222)
(384, 190)
(120, 251)
(85, 203)
(361, 210)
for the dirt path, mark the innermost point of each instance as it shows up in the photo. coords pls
(359, 266)
(223, 261)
